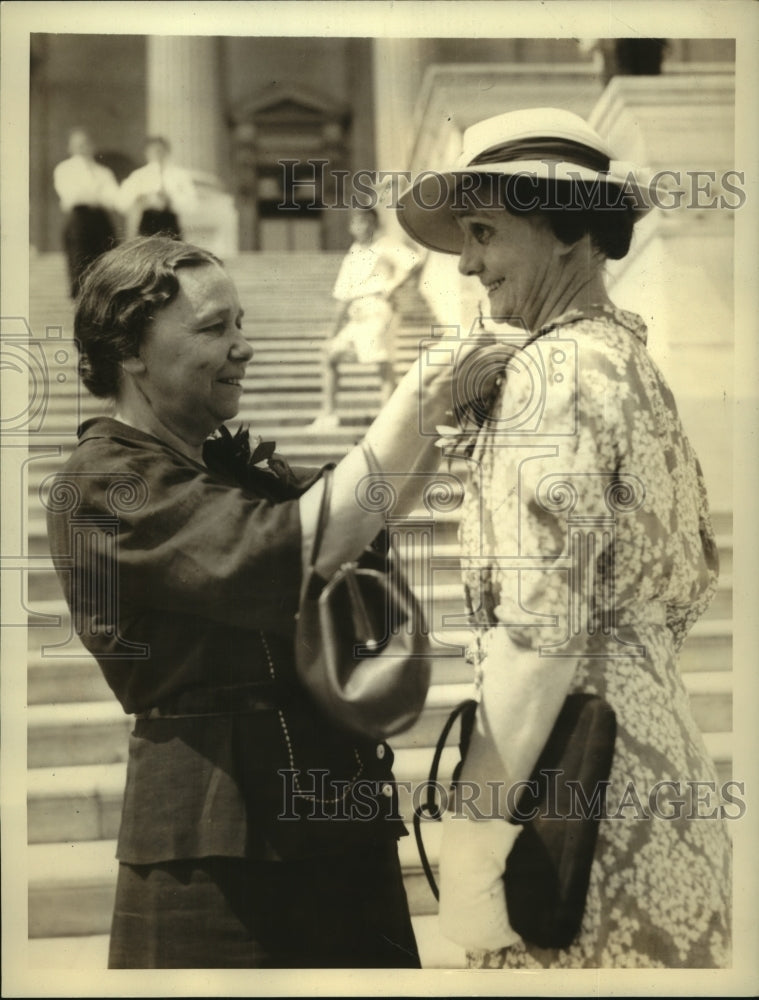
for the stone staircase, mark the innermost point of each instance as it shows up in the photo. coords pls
(77, 733)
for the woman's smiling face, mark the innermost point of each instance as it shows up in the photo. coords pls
(193, 355)
(517, 259)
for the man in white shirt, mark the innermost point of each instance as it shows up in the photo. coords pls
(372, 270)
(88, 193)
(155, 197)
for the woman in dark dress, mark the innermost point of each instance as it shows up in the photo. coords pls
(243, 841)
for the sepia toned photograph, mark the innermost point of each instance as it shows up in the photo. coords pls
(378, 455)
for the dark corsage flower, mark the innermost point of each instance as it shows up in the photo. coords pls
(486, 375)
(457, 442)
(238, 456)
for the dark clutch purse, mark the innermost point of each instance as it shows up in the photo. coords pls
(546, 881)
(361, 650)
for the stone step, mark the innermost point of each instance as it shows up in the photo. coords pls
(74, 803)
(71, 888)
(53, 680)
(709, 647)
(95, 732)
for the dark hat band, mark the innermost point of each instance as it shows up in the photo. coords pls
(545, 149)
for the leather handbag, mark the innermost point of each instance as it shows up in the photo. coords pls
(360, 647)
(546, 880)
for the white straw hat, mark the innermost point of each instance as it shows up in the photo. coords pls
(544, 143)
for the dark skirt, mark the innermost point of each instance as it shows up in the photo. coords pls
(159, 221)
(346, 910)
(88, 233)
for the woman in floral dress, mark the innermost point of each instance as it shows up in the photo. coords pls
(587, 554)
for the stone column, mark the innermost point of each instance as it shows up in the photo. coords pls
(396, 70)
(184, 99)
(185, 104)
(396, 73)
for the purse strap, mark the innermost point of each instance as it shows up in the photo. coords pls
(430, 807)
(321, 522)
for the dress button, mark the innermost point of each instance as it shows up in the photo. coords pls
(387, 790)
(380, 751)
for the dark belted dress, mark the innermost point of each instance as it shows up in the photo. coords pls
(253, 832)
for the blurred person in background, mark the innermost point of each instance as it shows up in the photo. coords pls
(372, 271)
(157, 196)
(88, 194)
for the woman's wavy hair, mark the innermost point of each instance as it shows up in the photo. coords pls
(120, 294)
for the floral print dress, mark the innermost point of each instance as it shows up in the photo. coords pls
(586, 533)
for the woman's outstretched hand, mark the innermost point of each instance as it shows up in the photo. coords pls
(449, 373)
(455, 373)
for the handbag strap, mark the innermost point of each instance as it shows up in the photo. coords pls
(321, 522)
(430, 806)
(383, 541)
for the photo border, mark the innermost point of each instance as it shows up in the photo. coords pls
(494, 18)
